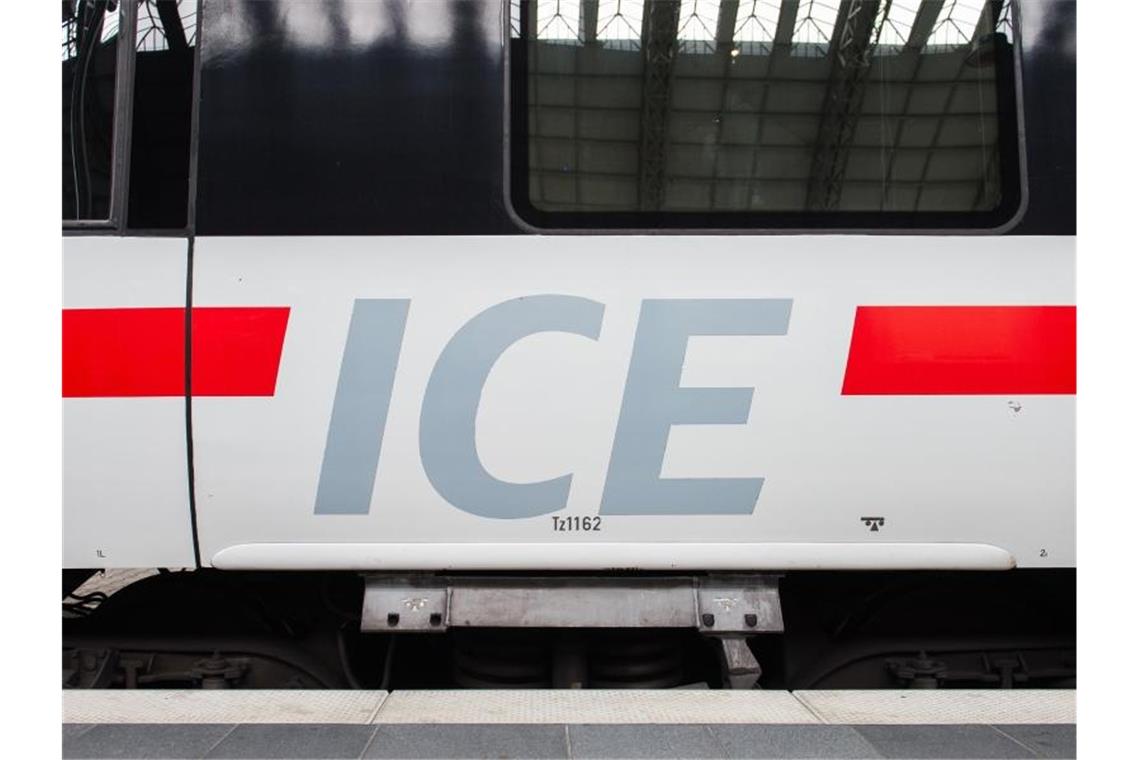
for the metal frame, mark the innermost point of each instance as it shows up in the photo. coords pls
(192, 174)
(659, 50)
(121, 138)
(716, 605)
(857, 34)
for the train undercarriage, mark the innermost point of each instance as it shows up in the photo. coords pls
(828, 630)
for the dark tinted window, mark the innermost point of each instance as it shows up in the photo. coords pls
(90, 54)
(127, 112)
(162, 114)
(877, 113)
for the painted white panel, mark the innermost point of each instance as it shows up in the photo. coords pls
(113, 272)
(125, 487)
(958, 470)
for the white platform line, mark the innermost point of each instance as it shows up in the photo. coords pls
(944, 706)
(593, 706)
(572, 707)
(249, 706)
(379, 706)
(808, 707)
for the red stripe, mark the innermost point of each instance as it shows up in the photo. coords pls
(237, 351)
(141, 352)
(962, 350)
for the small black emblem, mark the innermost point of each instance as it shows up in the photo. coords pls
(874, 523)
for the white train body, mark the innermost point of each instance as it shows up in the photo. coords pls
(571, 344)
(574, 403)
(497, 285)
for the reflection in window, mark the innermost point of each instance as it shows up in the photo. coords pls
(516, 19)
(815, 23)
(619, 23)
(558, 20)
(956, 24)
(89, 64)
(894, 22)
(155, 15)
(770, 123)
(151, 31)
(160, 138)
(696, 28)
(70, 29)
(159, 122)
(756, 23)
(110, 25)
(1005, 20)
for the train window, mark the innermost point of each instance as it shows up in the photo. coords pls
(127, 112)
(874, 114)
(162, 114)
(90, 99)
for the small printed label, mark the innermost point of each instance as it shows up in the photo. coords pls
(576, 523)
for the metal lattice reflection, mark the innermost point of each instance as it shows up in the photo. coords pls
(895, 22)
(764, 112)
(619, 23)
(756, 24)
(559, 20)
(696, 25)
(815, 25)
(957, 23)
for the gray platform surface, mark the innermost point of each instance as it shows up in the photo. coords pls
(500, 740)
(571, 723)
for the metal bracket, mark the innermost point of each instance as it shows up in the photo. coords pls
(740, 668)
(739, 604)
(715, 605)
(404, 604)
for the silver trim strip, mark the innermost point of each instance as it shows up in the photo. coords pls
(601, 556)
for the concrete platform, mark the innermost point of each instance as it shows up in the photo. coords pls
(568, 724)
